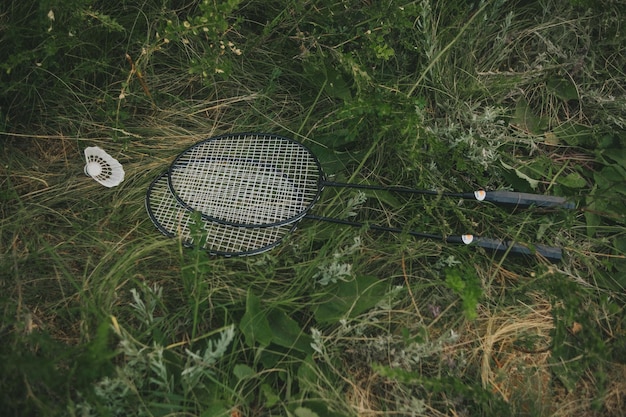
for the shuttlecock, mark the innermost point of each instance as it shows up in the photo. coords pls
(102, 167)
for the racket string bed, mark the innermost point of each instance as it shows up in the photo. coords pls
(174, 220)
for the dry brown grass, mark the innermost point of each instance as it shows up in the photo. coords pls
(518, 373)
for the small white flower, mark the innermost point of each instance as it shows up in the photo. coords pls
(317, 344)
(454, 336)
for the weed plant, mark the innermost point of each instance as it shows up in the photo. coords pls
(103, 316)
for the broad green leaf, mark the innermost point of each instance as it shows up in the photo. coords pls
(271, 399)
(324, 75)
(334, 161)
(385, 197)
(592, 219)
(216, 410)
(573, 180)
(315, 408)
(254, 324)
(286, 332)
(269, 358)
(602, 180)
(308, 371)
(607, 141)
(617, 155)
(526, 119)
(612, 178)
(242, 371)
(335, 84)
(620, 188)
(620, 245)
(350, 298)
(551, 139)
(337, 140)
(574, 134)
(532, 182)
(563, 88)
(305, 412)
(271, 326)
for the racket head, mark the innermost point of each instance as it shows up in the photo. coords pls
(174, 220)
(247, 179)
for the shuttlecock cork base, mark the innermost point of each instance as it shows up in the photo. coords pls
(102, 167)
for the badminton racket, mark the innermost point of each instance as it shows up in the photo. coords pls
(174, 220)
(266, 180)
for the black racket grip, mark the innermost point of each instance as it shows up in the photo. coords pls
(552, 254)
(527, 199)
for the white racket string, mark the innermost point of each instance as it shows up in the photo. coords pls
(174, 220)
(247, 180)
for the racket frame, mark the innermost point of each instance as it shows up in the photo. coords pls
(314, 193)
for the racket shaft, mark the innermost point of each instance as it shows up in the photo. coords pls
(391, 189)
(498, 197)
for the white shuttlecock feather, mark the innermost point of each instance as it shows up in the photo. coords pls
(102, 167)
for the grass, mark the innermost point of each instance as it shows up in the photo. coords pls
(102, 315)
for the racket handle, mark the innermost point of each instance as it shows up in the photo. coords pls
(552, 254)
(523, 199)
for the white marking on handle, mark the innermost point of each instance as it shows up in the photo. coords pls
(480, 195)
(467, 239)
